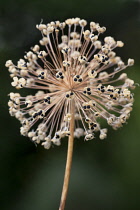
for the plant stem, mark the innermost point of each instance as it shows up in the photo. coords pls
(69, 159)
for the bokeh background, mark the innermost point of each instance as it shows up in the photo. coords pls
(105, 174)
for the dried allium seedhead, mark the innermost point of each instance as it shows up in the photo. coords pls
(72, 65)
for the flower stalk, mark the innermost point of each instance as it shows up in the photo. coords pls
(78, 81)
(69, 159)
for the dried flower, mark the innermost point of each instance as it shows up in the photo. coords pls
(78, 67)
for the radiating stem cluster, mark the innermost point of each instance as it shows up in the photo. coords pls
(79, 80)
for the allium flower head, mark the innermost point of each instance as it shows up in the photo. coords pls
(71, 63)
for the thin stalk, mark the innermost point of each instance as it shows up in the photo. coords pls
(69, 159)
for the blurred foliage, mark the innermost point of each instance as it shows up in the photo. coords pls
(105, 174)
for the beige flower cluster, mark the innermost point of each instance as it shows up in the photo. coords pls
(70, 63)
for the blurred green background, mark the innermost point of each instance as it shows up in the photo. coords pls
(105, 174)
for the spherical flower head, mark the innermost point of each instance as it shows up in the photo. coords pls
(71, 64)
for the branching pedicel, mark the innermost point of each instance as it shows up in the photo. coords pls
(75, 70)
